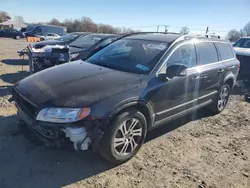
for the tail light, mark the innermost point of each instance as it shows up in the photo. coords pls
(238, 66)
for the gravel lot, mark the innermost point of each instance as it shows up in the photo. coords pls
(200, 150)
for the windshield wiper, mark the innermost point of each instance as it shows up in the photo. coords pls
(76, 46)
(110, 66)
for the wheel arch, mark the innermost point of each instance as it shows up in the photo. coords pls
(229, 79)
(144, 107)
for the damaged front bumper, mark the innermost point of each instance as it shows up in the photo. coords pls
(83, 137)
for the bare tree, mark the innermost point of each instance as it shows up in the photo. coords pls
(55, 21)
(4, 16)
(88, 25)
(184, 30)
(246, 29)
(233, 35)
(19, 19)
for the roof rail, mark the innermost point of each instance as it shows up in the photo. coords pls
(201, 36)
(150, 32)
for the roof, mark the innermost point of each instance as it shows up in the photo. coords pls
(156, 37)
(14, 23)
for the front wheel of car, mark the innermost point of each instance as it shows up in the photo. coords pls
(222, 99)
(124, 137)
(18, 37)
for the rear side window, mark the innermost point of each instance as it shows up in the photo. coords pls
(207, 53)
(225, 50)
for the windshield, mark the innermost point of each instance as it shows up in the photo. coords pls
(243, 43)
(130, 55)
(86, 41)
(67, 38)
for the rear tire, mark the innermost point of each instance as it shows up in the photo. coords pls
(124, 137)
(17, 37)
(222, 99)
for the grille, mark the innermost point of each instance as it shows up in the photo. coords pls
(25, 106)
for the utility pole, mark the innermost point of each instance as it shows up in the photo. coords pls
(207, 30)
(166, 28)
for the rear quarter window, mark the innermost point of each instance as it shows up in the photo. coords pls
(207, 53)
(225, 50)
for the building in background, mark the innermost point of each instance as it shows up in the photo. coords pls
(13, 24)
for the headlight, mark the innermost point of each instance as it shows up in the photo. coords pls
(62, 115)
(73, 56)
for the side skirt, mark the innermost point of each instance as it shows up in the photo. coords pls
(180, 114)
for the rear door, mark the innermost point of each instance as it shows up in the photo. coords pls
(227, 56)
(211, 71)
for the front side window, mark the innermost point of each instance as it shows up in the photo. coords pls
(184, 55)
(207, 53)
(225, 50)
(39, 30)
(130, 55)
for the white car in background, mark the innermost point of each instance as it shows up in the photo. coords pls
(49, 36)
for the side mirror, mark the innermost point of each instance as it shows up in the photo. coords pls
(176, 70)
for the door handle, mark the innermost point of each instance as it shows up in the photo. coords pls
(195, 77)
(204, 76)
(220, 71)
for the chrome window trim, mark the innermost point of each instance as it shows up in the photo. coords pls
(192, 41)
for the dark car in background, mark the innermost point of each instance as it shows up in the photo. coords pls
(110, 101)
(11, 33)
(81, 48)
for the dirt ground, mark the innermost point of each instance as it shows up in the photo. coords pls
(200, 150)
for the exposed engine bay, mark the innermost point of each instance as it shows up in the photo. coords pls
(49, 56)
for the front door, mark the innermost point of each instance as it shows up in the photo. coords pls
(179, 94)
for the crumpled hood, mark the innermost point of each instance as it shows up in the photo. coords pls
(75, 84)
(242, 51)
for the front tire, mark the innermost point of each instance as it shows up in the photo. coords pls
(124, 137)
(17, 37)
(222, 99)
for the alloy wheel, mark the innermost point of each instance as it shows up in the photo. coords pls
(223, 98)
(127, 137)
